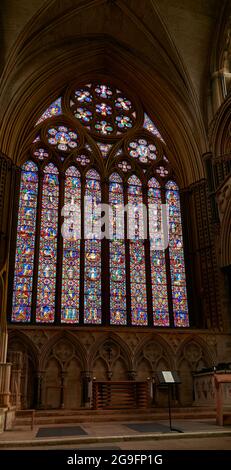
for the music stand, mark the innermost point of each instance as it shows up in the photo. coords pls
(169, 378)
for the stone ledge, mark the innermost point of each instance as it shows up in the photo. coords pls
(111, 439)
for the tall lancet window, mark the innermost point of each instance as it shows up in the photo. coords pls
(176, 254)
(136, 229)
(71, 247)
(45, 310)
(118, 315)
(158, 260)
(92, 232)
(96, 143)
(24, 261)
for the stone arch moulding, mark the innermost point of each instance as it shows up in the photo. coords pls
(62, 337)
(119, 350)
(40, 80)
(219, 59)
(27, 344)
(220, 131)
(194, 351)
(154, 349)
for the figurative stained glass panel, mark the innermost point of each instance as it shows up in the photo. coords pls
(117, 253)
(158, 265)
(71, 232)
(54, 109)
(92, 231)
(24, 262)
(150, 126)
(103, 109)
(104, 148)
(176, 254)
(62, 138)
(45, 309)
(137, 253)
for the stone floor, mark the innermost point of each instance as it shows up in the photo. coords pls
(196, 434)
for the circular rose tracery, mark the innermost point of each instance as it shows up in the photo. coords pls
(103, 109)
(62, 138)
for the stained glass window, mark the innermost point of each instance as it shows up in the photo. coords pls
(117, 253)
(71, 247)
(83, 159)
(103, 109)
(176, 254)
(54, 110)
(142, 149)
(137, 253)
(158, 265)
(45, 310)
(41, 153)
(62, 138)
(104, 148)
(98, 147)
(24, 261)
(150, 126)
(92, 230)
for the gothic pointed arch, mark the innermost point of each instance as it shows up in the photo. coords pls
(65, 346)
(110, 349)
(141, 68)
(66, 265)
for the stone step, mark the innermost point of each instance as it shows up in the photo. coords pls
(80, 416)
(87, 411)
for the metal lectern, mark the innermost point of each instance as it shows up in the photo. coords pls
(169, 378)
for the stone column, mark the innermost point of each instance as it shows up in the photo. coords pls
(217, 89)
(5, 369)
(132, 375)
(3, 345)
(8, 173)
(5, 373)
(86, 389)
(16, 358)
(38, 403)
(62, 385)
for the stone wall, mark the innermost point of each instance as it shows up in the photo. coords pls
(205, 393)
(58, 363)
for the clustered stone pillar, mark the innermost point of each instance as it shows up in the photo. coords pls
(62, 389)
(5, 368)
(38, 403)
(87, 389)
(7, 182)
(16, 359)
(5, 373)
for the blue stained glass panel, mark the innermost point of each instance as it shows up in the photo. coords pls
(24, 259)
